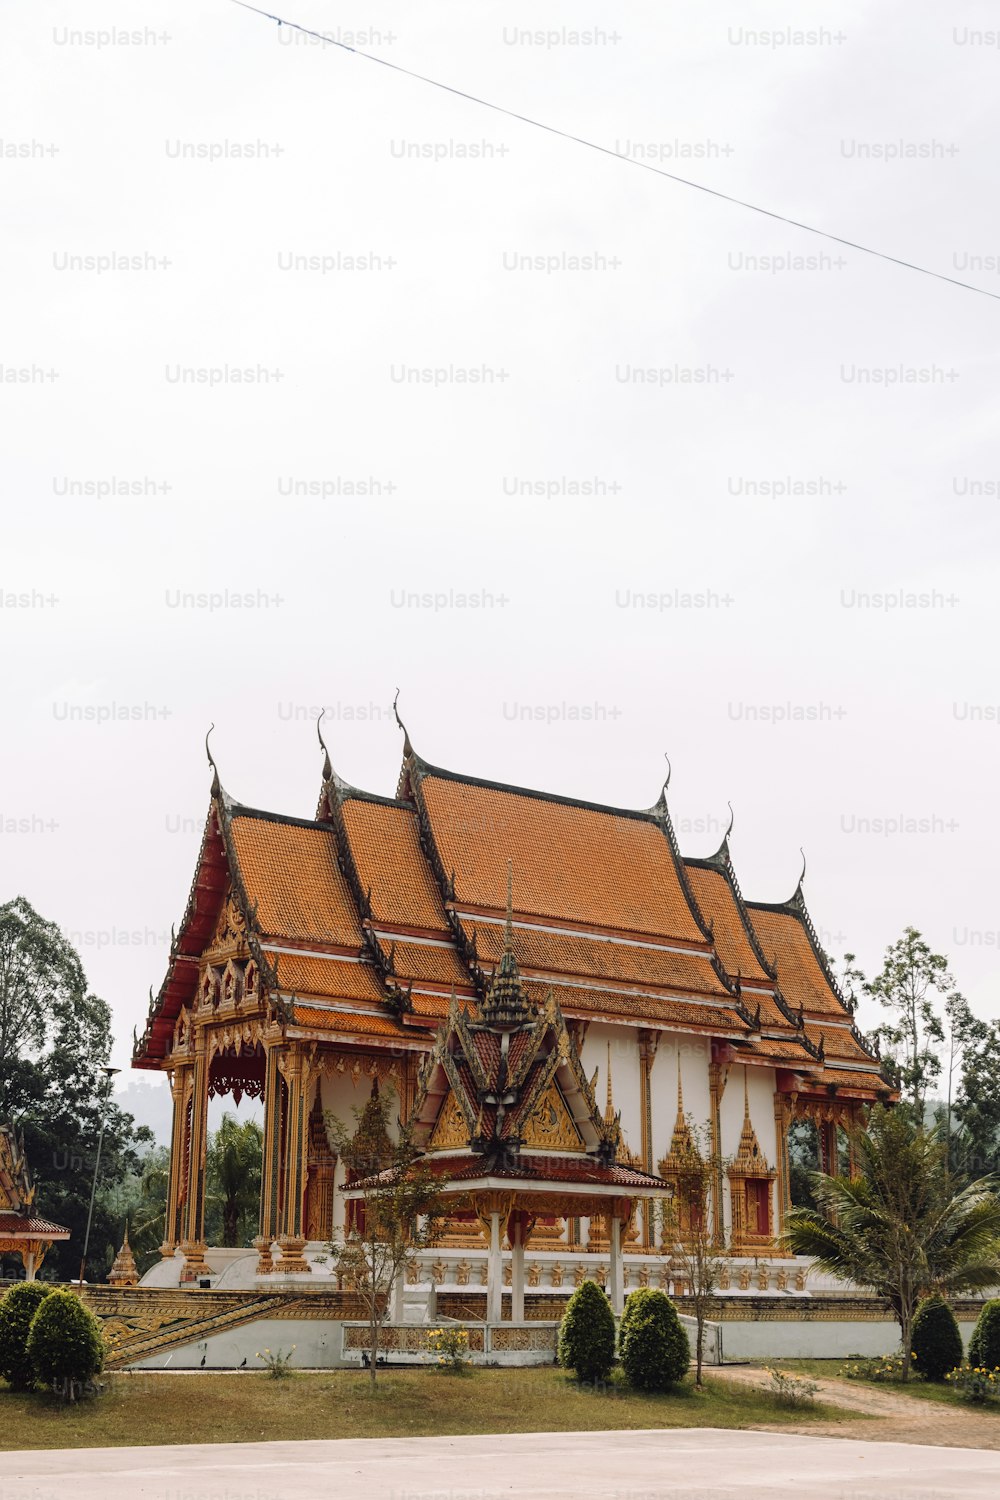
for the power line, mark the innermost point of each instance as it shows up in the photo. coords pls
(646, 166)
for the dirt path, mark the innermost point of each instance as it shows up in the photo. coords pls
(888, 1416)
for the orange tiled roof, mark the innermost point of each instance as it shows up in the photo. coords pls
(567, 953)
(354, 1022)
(715, 897)
(843, 1078)
(330, 977)
(782, 1049)
(421, 961)
(838, 1042)
(572, 998)
(290, 869)
(572, 861)
(801, 979)
(434, 1006)
(390, 862)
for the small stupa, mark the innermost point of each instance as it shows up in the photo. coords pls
(124, 1271)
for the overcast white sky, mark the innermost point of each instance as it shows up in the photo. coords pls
(881, 126)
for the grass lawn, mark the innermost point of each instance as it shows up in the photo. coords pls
(920, 1390)
(145, 1408)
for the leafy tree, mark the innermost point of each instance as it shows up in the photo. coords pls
(803, 1162)
(655, 1349)
(139, 1201)
(977, 1105)
(984, 1346)
(587, 1333)
(400, 1210)
(17, 1308)
(66, 1344)
(55, 1041)
(911, 982)
(234, 1168)
(937, 1342)
(899, 1228)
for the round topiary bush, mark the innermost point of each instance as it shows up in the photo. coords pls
(587, 1333)
(17, 1309)
(654, 1348)
(984, 1346)
(937, 1343)
(65, 1345)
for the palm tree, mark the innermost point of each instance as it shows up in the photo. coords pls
(900, 1229)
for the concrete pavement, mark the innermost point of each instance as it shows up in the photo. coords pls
(697, 1464)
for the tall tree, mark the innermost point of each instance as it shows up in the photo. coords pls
(914, 986)
(234, 1167)
(977, 1104)
(55, 1042)
(900, 1228)
(400, 1210)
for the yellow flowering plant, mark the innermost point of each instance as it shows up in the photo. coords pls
(975, 1383)
(278, 1364)
(451, 1345)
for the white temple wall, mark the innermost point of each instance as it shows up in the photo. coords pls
(692, 1054)
(340, 1095)
(625, 1087)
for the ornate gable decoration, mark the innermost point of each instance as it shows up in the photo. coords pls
(451, 1129)
(551, 1125)
(230, 935)
(16, 1191)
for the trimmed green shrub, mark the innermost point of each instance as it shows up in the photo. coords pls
(635, 1303)
(17, 1309)
(65, 1345)
(587, 1333)
(937, 1343)
(654, 1349)
(984, 1348)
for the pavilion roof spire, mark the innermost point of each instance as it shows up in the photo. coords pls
(506, 1006)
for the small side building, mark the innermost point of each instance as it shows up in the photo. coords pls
(21, 1232)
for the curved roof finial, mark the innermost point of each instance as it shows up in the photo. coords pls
(798, 889)
(732, 819)
(407, 747)
(327, 763)
(216, 783)
(670, 768)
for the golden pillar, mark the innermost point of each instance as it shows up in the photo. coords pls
(193, 1243)
(180, 1088)
(783, 1106)
(270, 1174)
(291, 1224)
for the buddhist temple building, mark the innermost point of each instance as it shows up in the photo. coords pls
(22, 1232)
(376, 941)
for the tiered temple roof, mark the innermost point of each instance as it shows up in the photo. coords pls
(363, 921)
